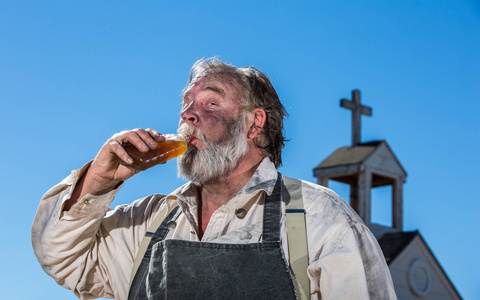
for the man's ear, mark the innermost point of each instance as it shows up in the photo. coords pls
(259, 119)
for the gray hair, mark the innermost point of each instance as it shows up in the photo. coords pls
(258, 92)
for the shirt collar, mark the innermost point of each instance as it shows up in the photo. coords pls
(264, 179)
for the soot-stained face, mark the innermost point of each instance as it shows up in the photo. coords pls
(212, 107)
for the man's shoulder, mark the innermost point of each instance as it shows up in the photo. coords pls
(322, 202)
(313, 191)
(316, 191)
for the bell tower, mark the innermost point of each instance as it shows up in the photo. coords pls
(364, 166)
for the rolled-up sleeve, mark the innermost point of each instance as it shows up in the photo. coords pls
(89, 249)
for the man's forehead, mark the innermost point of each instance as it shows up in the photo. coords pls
(218, 82)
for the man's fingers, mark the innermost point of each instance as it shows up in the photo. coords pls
(133, 137)
(142, 139)
(155, 134)
(116, 147)
(149, 137)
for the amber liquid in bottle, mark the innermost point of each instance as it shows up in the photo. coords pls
(173, 146)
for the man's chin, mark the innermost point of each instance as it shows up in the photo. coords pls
(195, 169)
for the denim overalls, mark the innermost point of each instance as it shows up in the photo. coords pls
(178, 269)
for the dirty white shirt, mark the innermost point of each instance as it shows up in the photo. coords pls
(91, 248)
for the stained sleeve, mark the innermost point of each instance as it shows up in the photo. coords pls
(354, 268)
(89, 249)
(345, 260)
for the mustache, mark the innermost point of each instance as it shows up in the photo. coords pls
(189, 132)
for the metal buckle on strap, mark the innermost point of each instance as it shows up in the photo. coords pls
(295, 211)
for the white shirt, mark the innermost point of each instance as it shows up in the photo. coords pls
(91, 248)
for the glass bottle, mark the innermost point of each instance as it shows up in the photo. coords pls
(173, 146)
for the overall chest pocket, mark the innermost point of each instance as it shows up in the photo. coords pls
(195, 270)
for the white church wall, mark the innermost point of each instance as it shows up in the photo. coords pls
(417, 275)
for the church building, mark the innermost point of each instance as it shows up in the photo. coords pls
(416, 273)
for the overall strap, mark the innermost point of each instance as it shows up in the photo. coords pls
(146, 239)
(272, 213)
(297, 236)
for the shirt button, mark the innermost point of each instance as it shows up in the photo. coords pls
(86, 202)
(240, 213)
(171, 225)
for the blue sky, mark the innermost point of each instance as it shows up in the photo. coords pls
(73, 73)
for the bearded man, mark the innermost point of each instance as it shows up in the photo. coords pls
(224, 234)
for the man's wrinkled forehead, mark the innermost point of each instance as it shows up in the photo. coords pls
(217, 82)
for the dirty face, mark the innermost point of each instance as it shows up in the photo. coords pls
(212, 106)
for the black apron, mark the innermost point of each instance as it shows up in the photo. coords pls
(178, 269)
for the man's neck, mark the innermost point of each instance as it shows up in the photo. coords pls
(217, 192)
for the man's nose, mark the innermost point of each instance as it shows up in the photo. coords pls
(189, 114)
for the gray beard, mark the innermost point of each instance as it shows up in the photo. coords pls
(217, 159)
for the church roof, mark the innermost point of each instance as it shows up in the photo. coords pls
(351, 159)
(350, 154)
(393, 244)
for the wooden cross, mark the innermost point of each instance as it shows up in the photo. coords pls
(357, 111)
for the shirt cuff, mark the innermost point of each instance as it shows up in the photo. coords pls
(96, 204)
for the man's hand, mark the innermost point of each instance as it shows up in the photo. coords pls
(111, 165)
